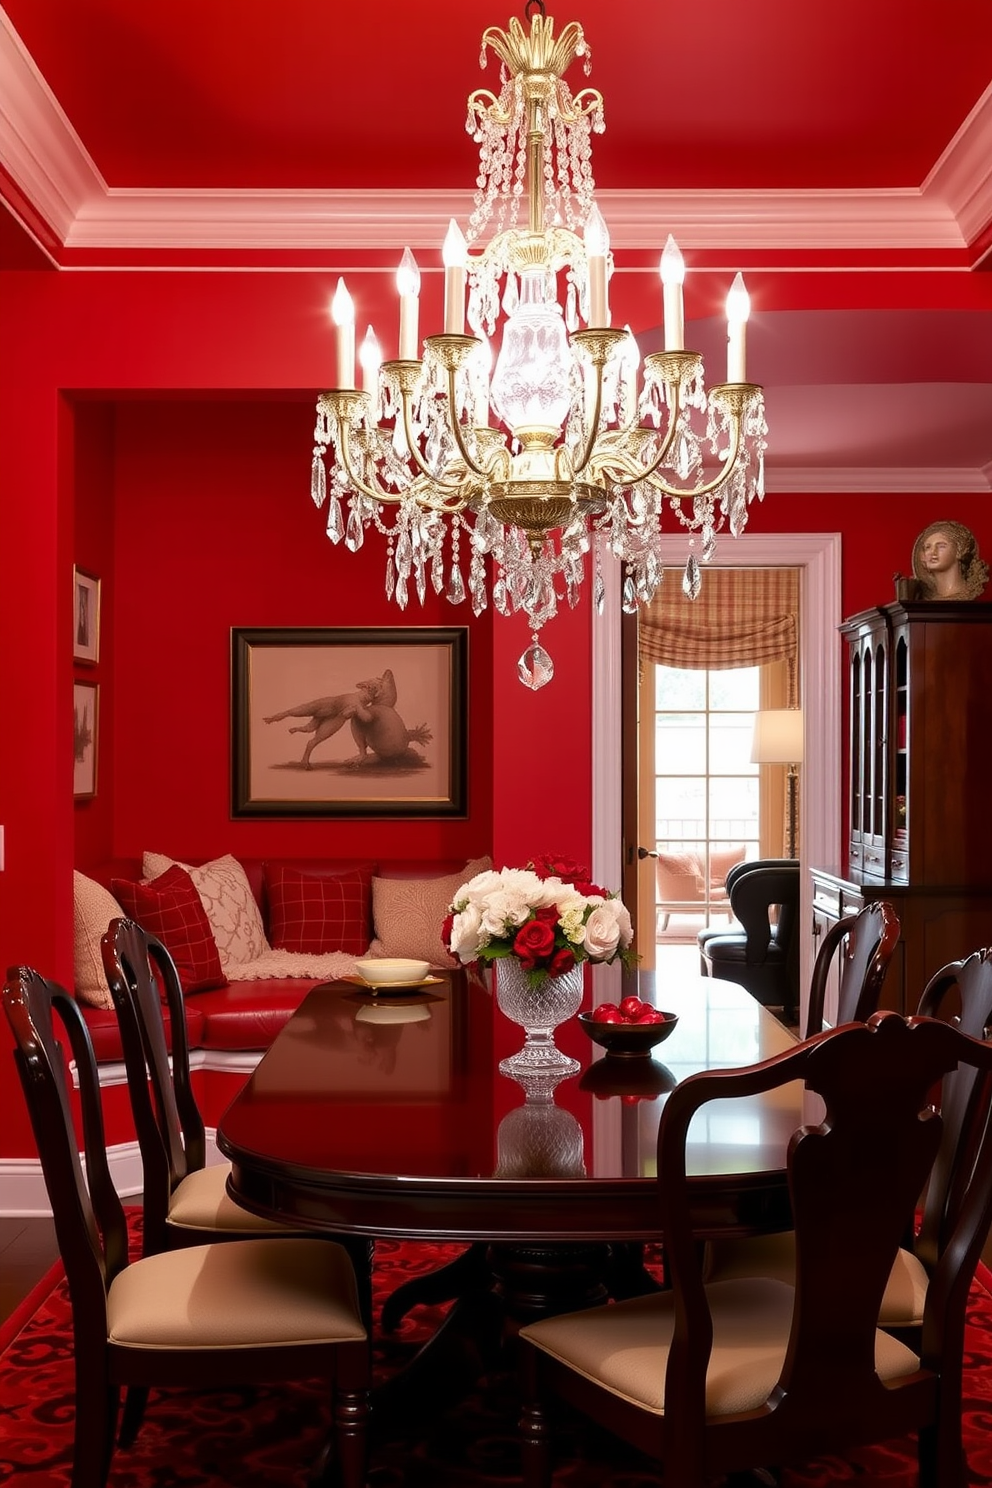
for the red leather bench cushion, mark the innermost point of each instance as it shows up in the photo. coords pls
(102, 1024)
(248, 1015)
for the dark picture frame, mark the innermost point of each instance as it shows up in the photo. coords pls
(349, 721)
(85, 617)
(85, 729)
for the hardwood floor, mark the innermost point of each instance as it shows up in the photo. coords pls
(27, 1249)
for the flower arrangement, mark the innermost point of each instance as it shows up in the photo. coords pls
(548, 915)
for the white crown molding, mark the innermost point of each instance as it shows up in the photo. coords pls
(335, 220)
(39, 148)
(962, 176)
(867, 480)
(45, 157)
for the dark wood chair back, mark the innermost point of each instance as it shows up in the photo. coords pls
(863, 944)
(962, 993)
(858, 1172)
(90, 1223)
(142, 975)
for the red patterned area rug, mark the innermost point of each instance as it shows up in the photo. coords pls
(268, 1438)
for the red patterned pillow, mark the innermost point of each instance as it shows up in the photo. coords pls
(171, 909)
(318, 914)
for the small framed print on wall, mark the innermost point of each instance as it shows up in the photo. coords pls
(85, 617)
(84, 727)
(381, 712)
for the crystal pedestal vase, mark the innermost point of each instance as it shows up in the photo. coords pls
(539, 1010)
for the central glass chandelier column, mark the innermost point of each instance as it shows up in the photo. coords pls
(511, 472)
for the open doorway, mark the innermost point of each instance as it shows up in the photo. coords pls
(616, 833)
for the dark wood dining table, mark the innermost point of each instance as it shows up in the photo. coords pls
(376, 1115)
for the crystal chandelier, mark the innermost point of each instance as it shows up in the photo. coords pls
(513, 471)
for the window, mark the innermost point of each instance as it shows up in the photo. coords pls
(705, 787)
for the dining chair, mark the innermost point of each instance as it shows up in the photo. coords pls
(185, 1200)
(962, 993)
(712, 1378)
(857, 949)
(198, 1317)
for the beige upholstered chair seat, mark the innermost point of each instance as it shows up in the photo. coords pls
(256, 1293)
(624, 1348)
(775, 1256)
(200, 1201)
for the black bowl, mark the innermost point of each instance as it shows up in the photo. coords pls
(628, 1038)
(646, 1078)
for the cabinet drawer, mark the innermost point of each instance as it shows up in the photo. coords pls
(874, 860)
(856, 854)
(899, 869)
(827, 900)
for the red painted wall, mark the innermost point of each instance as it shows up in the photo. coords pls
(156, 429)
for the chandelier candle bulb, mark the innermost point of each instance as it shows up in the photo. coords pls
(408, 284)
(343, 315)
(672, 270)
(454, 255)
(738, 310)
(370, 357)
(597, 244)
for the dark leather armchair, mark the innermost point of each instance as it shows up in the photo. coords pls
(763, 955)
(738, 869)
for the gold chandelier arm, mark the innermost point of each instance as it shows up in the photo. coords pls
(341, 403)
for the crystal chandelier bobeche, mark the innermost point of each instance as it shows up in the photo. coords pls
(577, 457)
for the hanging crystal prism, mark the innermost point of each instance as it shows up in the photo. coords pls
(318, 480)
(456, 585)
(535, 667)
(335, 524)
(691, 579)
(628, 596)
(355, 534)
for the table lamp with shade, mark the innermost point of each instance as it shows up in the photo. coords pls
(778, 740)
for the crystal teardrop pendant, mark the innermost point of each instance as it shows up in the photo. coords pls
(691, 579)
(535, 667)
(456, 585)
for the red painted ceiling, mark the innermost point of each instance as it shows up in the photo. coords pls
(317, 94)
(842, 145)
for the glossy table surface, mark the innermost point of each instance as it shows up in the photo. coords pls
(386, 1115)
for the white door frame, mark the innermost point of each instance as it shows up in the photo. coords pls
(818, 556)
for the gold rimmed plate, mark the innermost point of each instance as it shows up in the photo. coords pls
(379, 987)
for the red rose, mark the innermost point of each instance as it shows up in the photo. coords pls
(533, 942)
(552, 866)
(563, 960)
(446, 925)
(547, 914)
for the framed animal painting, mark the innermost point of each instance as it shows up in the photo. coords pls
(348, 722)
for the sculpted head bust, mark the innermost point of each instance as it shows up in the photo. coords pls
(946, 562)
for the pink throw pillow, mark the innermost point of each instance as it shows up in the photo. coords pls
(171, 909)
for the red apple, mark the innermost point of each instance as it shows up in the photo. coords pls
(604, 1007)
(632, 1007)
(611, 1015)
(650, 1016)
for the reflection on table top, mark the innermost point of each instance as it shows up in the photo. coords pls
(403, 1093)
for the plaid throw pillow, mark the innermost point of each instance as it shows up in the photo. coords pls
(317, 914)
(171, 908)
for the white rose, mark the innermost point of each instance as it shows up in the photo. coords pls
(504, 910)
(479, 887)
(466, 933)
(601, 936)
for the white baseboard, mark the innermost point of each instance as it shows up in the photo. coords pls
(22, 1187)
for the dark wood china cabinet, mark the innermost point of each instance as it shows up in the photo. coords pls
(920, 785)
